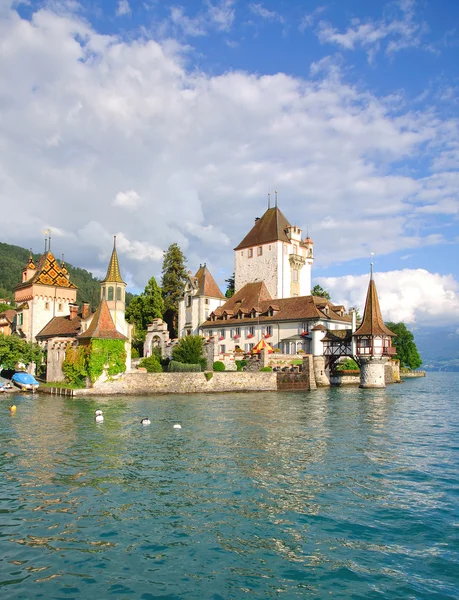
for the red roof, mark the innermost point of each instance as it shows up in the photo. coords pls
(102, 325)
(270, 228)
(372, 322)
(206, 283)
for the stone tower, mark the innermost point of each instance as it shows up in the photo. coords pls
(373, 342)
(113, 291)
(273, 251)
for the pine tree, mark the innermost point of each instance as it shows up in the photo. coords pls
(230, 288)
(173, 285)
(317, 290)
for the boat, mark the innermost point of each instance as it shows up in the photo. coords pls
(24, 381)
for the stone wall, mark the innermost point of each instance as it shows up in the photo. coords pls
(183, 383)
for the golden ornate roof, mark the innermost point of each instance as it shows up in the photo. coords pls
(113, 271)
(48, 272)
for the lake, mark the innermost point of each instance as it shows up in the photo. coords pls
(337, 493)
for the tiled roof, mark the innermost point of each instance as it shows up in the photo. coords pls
(269, 228)
(113, 271)
(102, 325)
(256, 296)
(372, 322)
(8, 315)
(61, 326)
(48, 272)
(206, 284)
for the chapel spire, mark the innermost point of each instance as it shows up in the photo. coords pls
(113, 272)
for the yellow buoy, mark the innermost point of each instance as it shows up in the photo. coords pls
(13, 408)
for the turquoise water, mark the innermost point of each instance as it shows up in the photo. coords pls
(328, 494)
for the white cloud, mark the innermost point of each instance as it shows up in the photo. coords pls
(216, 16)
(221, 14)
(261, 11)
(129, 199)
(104, 124)
(123, 8)
(412, 296)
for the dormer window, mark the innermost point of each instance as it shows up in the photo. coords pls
(270, 312)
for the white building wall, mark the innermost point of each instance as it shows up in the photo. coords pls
(42, 308)
(257, 268)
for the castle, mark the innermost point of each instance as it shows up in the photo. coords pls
(273, 302)
(47, 312)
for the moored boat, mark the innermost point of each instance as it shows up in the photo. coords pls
(25, 381)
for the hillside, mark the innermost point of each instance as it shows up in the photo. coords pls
(439, 347)
(13, 259)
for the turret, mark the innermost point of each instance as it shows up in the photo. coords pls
(113, 290)
(373, 341)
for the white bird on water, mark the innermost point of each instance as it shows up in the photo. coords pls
(99, 416)
(145, 421)
(177, 426)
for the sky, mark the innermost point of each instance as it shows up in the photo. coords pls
(167, 122)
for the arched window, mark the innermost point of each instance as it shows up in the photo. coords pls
(103, 292)
(110, 293)
(118, 293)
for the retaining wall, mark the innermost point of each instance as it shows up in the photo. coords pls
(183, 383)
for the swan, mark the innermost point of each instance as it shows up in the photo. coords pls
(99, 416)
(145, 421)
(177, 426)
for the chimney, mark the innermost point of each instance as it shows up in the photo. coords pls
(73, 311)
(85, 310)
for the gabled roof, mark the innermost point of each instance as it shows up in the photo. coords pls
(206, 283)
(113, 271)
(269, 228)
(372, 322)
(255, 296)
(48, 272)
(61, 327)
(102, 325)
(8, 314)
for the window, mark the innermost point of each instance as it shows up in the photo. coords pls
(20, 319)
(222, 333)
(188, 301)
(46, 305)
(259, 250)
(206, 300)
(295, 275)
(118, 293)
(242, 253)
(269, 330)
(250, 330)
(59, 307)
(250, 252)
(238, 331)
(270, 246)
(211, 333)
(103, 292)
(222, 348)
(110, 293)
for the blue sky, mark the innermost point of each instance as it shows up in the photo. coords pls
(170, 122)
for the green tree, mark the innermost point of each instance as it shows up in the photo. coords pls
(317, 290)
(189, 350)
(230, 288)
(173, 283)
(4, 307)
(14, 349)
(143, 309)
(407, 352)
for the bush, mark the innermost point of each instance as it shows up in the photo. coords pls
(347, 365)
(218, 365)
(151, 364)
(240, 364)
(276, 350)
(300, 352)
(208, 375)
(179, 367)
(189, 350)
(134, 353)
(266, 369)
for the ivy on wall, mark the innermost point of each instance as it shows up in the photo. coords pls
(82, 362)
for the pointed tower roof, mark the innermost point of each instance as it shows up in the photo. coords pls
(48, 272)
(270, 228)
(372, 322)
(102, 326)
(113, 271)
(207, 285)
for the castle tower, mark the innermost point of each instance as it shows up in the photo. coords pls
(273, 252)
(44, 292)
(113, 291)
(373, 342)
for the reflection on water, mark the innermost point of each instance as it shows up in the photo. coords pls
(337, 493)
